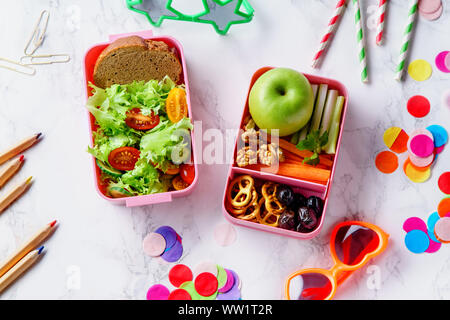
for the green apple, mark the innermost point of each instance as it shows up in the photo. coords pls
(281, 99)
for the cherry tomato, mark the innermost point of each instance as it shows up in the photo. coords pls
(172, 169)
(136, 120)
(179, 184)
(187, 173)
(176, 105)
(124, 158)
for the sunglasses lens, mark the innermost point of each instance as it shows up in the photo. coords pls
(310, 286)
(354, 242)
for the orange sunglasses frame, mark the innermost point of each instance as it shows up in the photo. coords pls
(340, 271)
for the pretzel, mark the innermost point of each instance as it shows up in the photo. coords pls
(241, 210)
(269, 192)
(240, 193)
(265, 216)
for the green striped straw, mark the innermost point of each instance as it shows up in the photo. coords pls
(407, 39)
(361, 45)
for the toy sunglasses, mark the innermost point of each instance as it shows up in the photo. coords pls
(352, 244)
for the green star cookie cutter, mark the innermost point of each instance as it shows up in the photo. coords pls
(240, 10)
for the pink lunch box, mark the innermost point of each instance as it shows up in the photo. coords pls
(306, 188)
(89, 63)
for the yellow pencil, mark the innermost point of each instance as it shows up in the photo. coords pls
(14, 194)
(10, 170)
(19, 148)
(32, 243)
(20, 268)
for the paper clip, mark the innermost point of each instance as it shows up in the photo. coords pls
(17, 67)
(38, 34)
(44, 59)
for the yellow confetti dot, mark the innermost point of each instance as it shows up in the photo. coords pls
(390, 135)
(420, 70)
(415, 175)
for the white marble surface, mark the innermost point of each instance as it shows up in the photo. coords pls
(99, 245)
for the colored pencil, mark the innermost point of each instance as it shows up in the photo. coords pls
(14, 194)
(19, 148)
(27, 247)
(22, 266)
(10, 170)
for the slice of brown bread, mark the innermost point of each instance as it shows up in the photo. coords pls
(133, 58)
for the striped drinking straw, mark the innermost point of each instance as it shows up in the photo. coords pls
(406, 39)
(380, 26)
(332, 26)
(361, 45)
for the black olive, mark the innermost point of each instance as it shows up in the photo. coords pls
(285, 195)
(288, 220)
(299, 201)
(307, 218)
(315, 203)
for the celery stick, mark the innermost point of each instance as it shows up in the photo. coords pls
(328, 111)
(318, 109)
(333, 133)
(301, 134)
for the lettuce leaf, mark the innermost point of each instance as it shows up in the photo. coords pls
(157, 146)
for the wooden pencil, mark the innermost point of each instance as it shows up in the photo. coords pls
(14, 194)
(19, 148)
(22, 266)
(10, 170)
(27, 247)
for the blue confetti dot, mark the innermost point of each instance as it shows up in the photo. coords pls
(417, 241)
(440, 135)
(431, 222)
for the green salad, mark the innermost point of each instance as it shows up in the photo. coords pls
(142, 137)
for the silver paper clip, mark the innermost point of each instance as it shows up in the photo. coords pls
(38, 34)
(17, 67)
(44, 59)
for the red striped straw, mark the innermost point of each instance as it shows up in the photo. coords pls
(332, 26)
(380, 25)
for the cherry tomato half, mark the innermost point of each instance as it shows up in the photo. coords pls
(136, 120)
(172, 169)
(187, 173)
(124, 158)
(176, 105)
(179, 184)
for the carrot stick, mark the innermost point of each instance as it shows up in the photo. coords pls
(292, 161)
(286, 145)
(303, 172)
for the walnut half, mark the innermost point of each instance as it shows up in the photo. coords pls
(246, 156)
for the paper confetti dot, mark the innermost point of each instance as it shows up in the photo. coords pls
(205, 266)
(447, 61)
(386, 162)
(158, 292)
(417, 241)
(444, 182)
(190, 288)
(224, 234)
(206, 284)
(440, 135)
(422, 146)
(229, 283)
(169, 234)
(434, 246)
(414, 223)
(417, 176)
(433, 16)
(221, 277)
(179, 294)
(154, 244)
(174, 254)
(444, 207)
(429, 6)
(396, 139)
(180, 274)
(431, 222)
(418, 106)
(440, 61)
(420, 70)
(442, 230)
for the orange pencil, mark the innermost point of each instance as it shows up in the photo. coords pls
(27, 247)
(19, 148)
(10, 170)
(14, 194)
